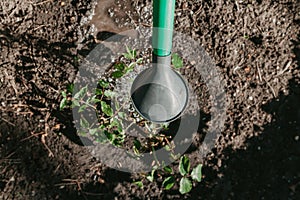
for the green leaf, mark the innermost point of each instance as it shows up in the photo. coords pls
(63, 104)
(70, 88)
(102, 126)
(101, 140)
(137, 144)
(82, 133)
(122, 115)
(165, 126)
(185, 185)
(139, 61)
(120, 66)
(117, 124)
(197, 173)
(84, 123)
(93, 100)
(127, 56)
(177, 61)
(151, 176)
(136, 147)
(169, 182)
(175, 156)
(120, 128)
(117, 141)
(119, 134)
(117, 74)
(98, 91)
(116, 104)
(109, 93)
(76, 58)
(184, 165)
(106, 109)
(109, 136)
(137, 152)
(82, 108)
(103, 83)
(168, 169)
(167, 148)
(130, 67)
(93, 131)
(75, 103)
(131, 53)
(81, 93)
(64, 94)
(139, 184)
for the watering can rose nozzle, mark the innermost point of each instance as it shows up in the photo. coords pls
(159, 94)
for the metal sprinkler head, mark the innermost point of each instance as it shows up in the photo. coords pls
(159, 94)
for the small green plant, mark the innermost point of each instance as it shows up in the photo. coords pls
(120, 68)
(76, 60)
(130, 53)
(169, 182)
(66, 96)
(187, 176)
(109, 127)
(177, 61)
(185, 184)
(139, 184)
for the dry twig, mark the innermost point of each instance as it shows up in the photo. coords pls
(44, 134)
(7, 121)
(47, 129)
(40, 3)
(11, 81)
(14, 10)
(285, 69)
(272, 89)
(70, 182)
(259, 74)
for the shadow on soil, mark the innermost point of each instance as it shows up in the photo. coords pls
(28, 161)
(269, 167)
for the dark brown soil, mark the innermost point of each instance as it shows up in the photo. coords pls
(255, 45)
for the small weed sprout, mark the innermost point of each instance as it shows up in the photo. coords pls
(177, 61)
(185, 184)
(110, 127)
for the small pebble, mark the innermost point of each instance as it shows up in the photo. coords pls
(12, 179)
(297, 138)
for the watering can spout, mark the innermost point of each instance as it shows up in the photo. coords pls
(161, 60)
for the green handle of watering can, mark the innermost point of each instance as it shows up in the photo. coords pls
(163, 22)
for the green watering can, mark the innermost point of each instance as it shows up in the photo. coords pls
(159, 94)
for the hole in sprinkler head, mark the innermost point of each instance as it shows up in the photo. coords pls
(156, 103)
